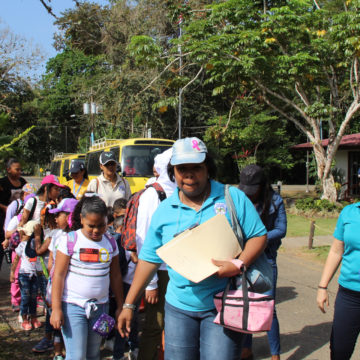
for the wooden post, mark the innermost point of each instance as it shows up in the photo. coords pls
(311, 236)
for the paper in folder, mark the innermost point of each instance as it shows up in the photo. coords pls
(190, 253)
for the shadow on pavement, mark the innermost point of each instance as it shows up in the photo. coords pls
(300, 344)
(285, 293)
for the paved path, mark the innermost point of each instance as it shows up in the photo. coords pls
(305, 330)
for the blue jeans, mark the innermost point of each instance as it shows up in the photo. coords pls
(28, 288)
(346, 325)
(191, 335)
(119, 344)
(274, 333)
(81, 341)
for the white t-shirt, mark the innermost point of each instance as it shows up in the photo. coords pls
(108, 193)
(55, 235)
(88, 275)
(39, 206)
(13, 224)
(27, 266)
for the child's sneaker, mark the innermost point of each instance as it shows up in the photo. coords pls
(26, 325)
(20, 319)
(36, 323)
(43, 345)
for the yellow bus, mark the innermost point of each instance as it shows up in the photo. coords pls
(60, 165)
(136, 157)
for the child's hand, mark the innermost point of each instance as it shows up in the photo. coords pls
(5, 244)
(134, 258)
(152, 296)
(57, 319)
(12, 277)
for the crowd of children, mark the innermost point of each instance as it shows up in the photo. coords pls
(67, 255)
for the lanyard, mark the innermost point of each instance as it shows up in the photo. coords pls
(76, 193)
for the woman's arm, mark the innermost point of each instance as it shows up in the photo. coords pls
(143, 274)
(280, 224)
(116, 284)
(332, 263)
(61, 269)
(252, 250)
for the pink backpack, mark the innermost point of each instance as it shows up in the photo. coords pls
(244, 311)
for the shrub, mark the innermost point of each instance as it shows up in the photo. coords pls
(309, 204)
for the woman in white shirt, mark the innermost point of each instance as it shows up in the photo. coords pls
(110, 185)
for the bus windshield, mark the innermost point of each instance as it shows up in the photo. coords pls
(138, 160)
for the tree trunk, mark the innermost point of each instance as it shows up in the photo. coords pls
(329, 190)
(326, 178)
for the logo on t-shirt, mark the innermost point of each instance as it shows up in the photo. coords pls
(89, 255)
(104, 255)
(220, 208)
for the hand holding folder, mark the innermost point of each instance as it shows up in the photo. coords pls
(190, 253)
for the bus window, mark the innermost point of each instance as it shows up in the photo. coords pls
(55, 168)
(138, 160)
(93, 165)
(66, 167)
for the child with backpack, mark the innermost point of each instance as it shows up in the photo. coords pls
(57, 223)
(27, 278)
(12, 237)
(86, 263)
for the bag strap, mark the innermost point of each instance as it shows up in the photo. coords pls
(160, 191)
(71, 241)
(245, 299)
(32, 211)
(233, 217)
(111, 240)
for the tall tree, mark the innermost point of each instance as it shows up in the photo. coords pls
(300, 58)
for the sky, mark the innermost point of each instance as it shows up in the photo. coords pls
(30, 20)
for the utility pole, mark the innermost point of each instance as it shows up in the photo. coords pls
(180, 73)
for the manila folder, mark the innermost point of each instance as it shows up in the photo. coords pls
(190, 253)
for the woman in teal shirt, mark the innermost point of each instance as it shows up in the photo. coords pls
(345, 250)
(189, 311)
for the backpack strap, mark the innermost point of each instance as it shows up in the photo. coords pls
(111, 240)
(71, 241)
(233, 217)
(32, 211)
(159, 190)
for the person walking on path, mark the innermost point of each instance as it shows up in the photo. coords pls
(10, 189)
(110, 185)
(151, 336)
(270, 207)
(345, 250)
(189, 307)
(80, 180)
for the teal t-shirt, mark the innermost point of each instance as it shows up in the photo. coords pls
(348, 230)
(173, 217)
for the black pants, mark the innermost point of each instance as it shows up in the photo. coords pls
(346, 325)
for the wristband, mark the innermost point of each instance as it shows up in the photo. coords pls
(322, 287)
(238, 263)
(129, 306)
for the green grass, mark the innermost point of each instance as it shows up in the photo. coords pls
(320, 252)
(300, 225)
